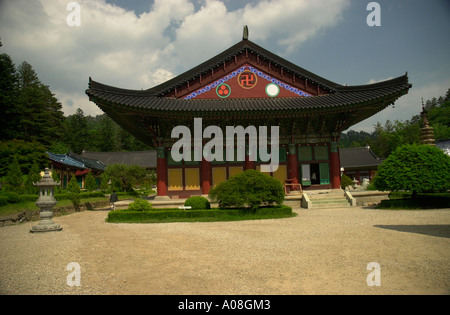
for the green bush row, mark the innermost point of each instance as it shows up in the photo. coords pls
(155, 215)
(422, 202)
(83, 195)
(13, 197)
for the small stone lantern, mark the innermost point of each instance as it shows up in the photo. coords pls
(355, 183)
(46, 202)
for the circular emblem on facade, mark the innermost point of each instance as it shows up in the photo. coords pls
(247, 79)
(223, 90)
(272, 89)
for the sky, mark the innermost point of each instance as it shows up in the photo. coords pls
(138, 44)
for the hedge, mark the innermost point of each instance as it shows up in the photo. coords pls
(13, 197)
(423, 201)
(159, 215)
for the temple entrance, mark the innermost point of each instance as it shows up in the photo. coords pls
(315, 174)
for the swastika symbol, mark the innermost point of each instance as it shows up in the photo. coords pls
(247, 79)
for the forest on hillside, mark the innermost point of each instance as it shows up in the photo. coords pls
(384, 139)
(32, 123)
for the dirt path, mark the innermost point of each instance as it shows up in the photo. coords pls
(317, 252)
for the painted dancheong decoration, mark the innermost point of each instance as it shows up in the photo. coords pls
(246, 78)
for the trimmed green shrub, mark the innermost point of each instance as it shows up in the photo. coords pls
(197, 203)
(73, 192)
(139, 204)
(249, 189)
(415, 168)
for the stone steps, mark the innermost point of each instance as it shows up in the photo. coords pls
(327, 200)
(330, 203)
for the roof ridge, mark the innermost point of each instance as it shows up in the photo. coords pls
(217, 61)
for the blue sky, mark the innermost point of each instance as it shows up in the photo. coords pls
(138, 44)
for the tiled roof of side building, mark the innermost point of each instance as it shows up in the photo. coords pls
(358, 157)
(146, 159)
(65, 160)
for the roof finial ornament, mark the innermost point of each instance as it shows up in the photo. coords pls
(245, 33)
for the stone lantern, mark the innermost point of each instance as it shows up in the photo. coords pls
(46, 202)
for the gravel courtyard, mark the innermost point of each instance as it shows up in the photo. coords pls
(316, 252)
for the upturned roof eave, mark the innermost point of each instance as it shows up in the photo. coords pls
(383, 91)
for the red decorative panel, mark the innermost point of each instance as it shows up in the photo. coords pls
(246, 82)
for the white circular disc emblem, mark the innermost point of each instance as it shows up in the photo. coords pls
(272, 89)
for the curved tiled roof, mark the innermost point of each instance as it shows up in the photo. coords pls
(358, 157)
(65, 160)
(346, 96)
(75, 160)
(340, 105)
(146, 159)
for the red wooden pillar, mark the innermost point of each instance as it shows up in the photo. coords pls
(292, 166)
(161, 172)
(335, 166)
(206, 176)
(249, 164)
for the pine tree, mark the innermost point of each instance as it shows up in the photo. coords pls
(8, 98)
(91, 185)
(14, 178)
(33, 177)
(41, 116)
(73, 185)
(73, 190)
(107, 135)
(76, 132)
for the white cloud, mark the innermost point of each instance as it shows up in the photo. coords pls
(282, 23)
(116, 47)
(372, 81)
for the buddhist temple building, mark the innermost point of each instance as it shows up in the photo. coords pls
(247, 85)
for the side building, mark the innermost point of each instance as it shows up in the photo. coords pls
(359, 163)
(67, 165)
(145, 159)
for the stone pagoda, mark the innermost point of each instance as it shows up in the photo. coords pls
(426, 132)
